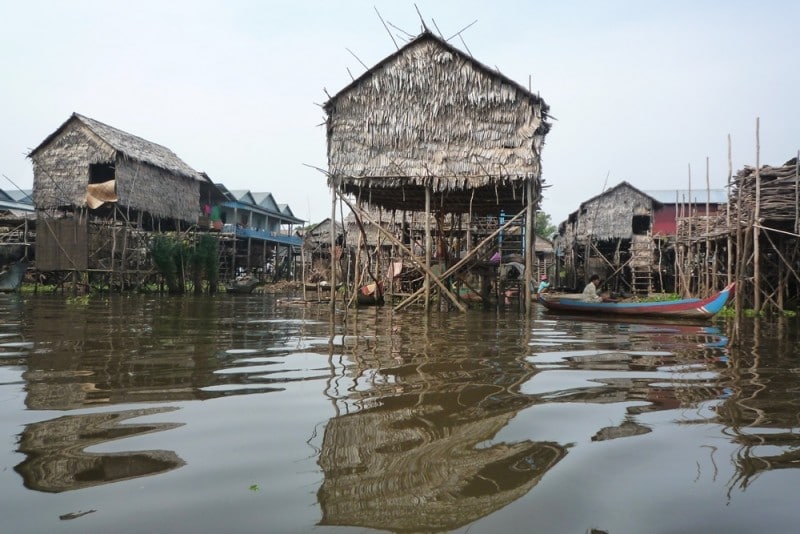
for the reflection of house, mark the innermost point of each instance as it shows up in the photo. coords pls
(57, 460)
(414, 464)
(611, 234)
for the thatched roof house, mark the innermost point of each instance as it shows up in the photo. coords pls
(431, 116)
(617, 213)
(86, 163)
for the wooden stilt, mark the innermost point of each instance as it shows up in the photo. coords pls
(463, 261)
(756, 230)
(530, 244)
(405, 250)
(427, 282)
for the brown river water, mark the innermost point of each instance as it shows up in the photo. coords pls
(256, 414)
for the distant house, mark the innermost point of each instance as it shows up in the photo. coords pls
(676, 203)
(257, 233)
(87, 170)
(611, 234)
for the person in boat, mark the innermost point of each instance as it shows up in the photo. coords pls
(544, 285)
(591, 293)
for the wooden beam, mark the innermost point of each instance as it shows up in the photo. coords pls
(402, 247)
(463, 261)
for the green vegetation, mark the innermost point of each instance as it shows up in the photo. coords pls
(542, 225)
(178, 259)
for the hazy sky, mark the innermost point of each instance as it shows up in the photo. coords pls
(641, 90)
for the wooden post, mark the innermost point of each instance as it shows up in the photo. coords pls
(427, 283)
(757, 229)
(728, 216)
(530, 243)
(677, 266)
(333, 251)
(455, 268)
(113, 249)
(707, 280)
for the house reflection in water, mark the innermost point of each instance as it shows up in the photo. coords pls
(423, 462)
(57, 460)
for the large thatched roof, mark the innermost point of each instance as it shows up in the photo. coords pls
(131, 146)
(431, 116)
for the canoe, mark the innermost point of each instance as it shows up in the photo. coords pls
(683, 308)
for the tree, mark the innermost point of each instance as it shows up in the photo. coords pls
(543, 227)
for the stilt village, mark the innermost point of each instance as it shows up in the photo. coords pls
(435, 178)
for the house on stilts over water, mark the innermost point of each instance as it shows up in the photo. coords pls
(100, 192)
(430, 130)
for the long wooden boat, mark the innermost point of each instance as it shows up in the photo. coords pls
(683, 308)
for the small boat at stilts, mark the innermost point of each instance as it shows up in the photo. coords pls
(693, 308)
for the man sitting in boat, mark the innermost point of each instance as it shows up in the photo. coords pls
(544, 284)
(591, 291)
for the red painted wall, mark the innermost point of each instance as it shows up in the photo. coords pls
(664, 218)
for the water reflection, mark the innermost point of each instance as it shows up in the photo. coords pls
(761, 411)
(56, 459)
(420, 455)
(127, 349)
(432, 422)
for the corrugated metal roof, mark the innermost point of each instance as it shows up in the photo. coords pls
(670, 196)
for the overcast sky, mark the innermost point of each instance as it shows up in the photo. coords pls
(642, 91)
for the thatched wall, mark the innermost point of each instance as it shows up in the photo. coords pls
(157, 191)
(61, 168)
(431, 116)
(149, 177)
(610, 215)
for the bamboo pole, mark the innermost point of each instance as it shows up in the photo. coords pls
(757, 230)
(333, 254)
(463, 260)
(676, 259)
(706, 279)
(530, 244)
(405, 249)
(738, 265)
(728, 216)
(427, 282)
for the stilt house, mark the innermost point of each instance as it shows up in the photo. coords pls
(88, 172)
(430, 129)
(611, 235)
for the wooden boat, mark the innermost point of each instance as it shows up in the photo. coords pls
(241, 286)
(11, 277)
(683, 308)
